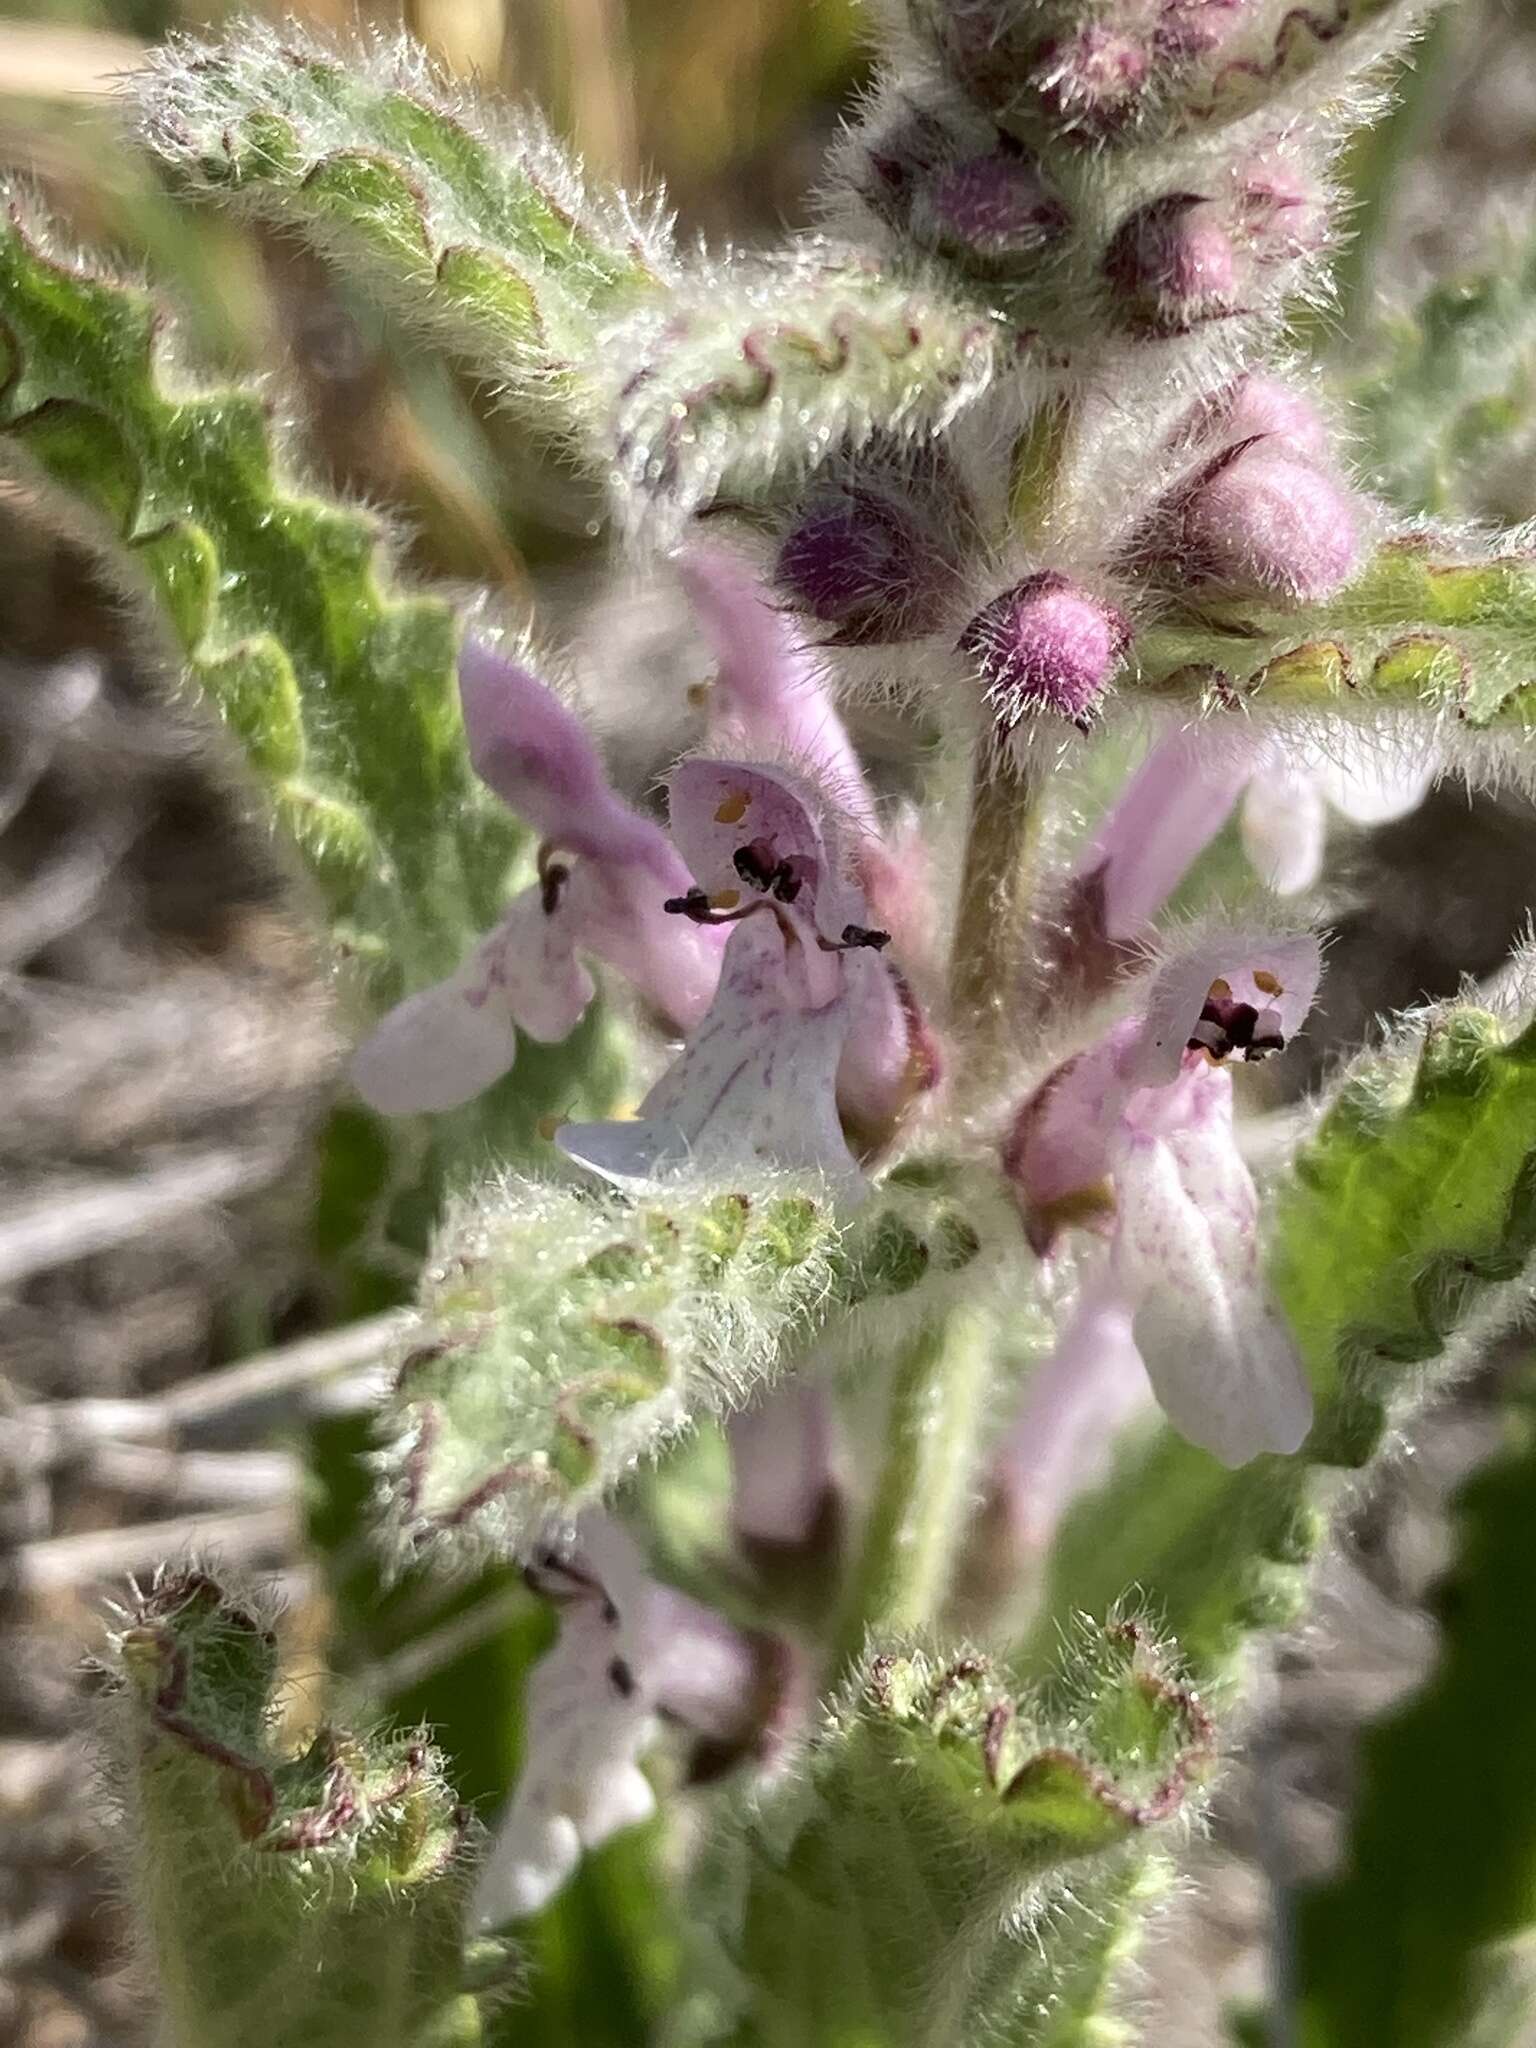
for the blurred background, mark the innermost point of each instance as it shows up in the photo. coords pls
(166, 1044)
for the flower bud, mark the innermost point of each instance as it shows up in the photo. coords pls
(1049, 645)
(861, 560)
(989, 207)
(1191, 29)
(1253, 406)
(1093, 80)
(1172, 265)
(1262, 521)
(1279, 214)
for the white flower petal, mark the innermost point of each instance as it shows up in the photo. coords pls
(447, 1044)
(754, 1087)
(1284, 825)
(1373, 783)
(588, 1716)
(434, 1051)
(1220, 1357)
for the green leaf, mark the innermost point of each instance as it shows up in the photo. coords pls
(747, 374)
(341, 692)
(564, 1337)
(1390, 1950)
(1450, 637)
(286, 1899)
(480, 230)
(1446, 390)
(1407, 1211)
(943, 1868)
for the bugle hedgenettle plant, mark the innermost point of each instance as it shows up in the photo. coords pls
(1019, 441)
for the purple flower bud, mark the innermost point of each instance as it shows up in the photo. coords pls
(858, 559)
(1260, 521)
(1280, 214)
(1172, 265)
(1046, 645)
(1093, 80)
(993, 207)
(1191, 29)
(1253, 406)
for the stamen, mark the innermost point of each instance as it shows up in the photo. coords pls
(621, 1678)
(1267, 982)
(553, 875)
(700, 909)
(854, 937)
(1226, 1027)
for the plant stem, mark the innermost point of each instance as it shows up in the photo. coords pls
(918, 1515)
(993, 910)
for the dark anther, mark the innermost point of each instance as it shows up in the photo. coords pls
(694, 905)
(854, 937)
(1228, 1027)
(610, 1613)
(756, 865)
(553, 876)
(621, 1678)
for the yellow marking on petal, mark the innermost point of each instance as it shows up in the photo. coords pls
(699, 694)
(550, 1124)
(1219, 991)
(725, 899)
(734, 808)
(1265, 980)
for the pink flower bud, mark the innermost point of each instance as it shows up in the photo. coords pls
(1280, 214)
(1172, 265)
(1263, 521)
(1095, 79)
(1191, 29)
(992, 207)
(1048, 645)
(860, 561)
(1255, 405)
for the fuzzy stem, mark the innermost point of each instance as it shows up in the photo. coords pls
(993, 909)
(917, 1516)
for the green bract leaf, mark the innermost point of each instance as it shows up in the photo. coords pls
(1413, 1203)
(942, 1869)
(1390, 1950)
(1422, 630)
(480, 230)
(563, 1337)
(750, 374)
(286, 1900)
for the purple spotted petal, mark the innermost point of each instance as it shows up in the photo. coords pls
(1185, 1253)
(754, 1088)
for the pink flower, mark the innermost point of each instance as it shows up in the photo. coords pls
(1187, 787)
(755, 1087)
(1062, 1440)
(1134, 1141)
(605, 873)
(631, 1652)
